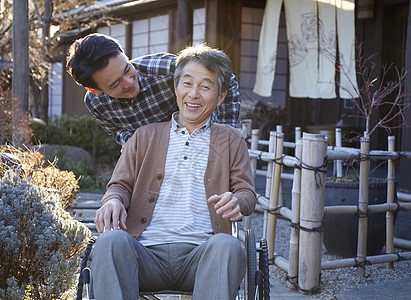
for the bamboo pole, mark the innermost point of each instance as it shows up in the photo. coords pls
(287, 176)
(270, 169)
(254, 146)
(363, 205)
(389, 246)
(281, 262)
(338, 143)
(288, 161)
(376, 259)
(272, 218)
(253, 162)
(374, 208)
(297, 133)
(295, 219)
(311, 211)
(401, 243)
(404, 196)
(279, 129)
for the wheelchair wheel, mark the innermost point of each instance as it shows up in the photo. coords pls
(251, 270)
(83, 265)
(264, 267)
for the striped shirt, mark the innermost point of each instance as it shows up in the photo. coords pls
(181, 213)
(156, 101)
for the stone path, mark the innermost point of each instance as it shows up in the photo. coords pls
(84, 210)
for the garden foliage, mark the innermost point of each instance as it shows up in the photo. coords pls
(40, 243)
(43, 173)
(79, 131)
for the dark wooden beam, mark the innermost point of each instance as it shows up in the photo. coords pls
(405, 164)
(223, 28)
(184, 24)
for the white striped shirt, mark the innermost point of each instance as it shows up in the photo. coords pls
(181, 213)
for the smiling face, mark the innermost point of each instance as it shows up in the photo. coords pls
(197, 95)
(118, 79)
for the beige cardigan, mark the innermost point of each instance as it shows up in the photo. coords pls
(138, 175)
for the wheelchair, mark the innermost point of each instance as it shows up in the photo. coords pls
(256, 283)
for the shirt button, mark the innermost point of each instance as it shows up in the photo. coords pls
(185, 157)
(151, 199)
(187, 143)
(159, 176)
(183, 132)
(143, 220)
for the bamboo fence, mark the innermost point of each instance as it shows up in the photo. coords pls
(307, 204)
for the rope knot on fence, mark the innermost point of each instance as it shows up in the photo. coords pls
(317, 171)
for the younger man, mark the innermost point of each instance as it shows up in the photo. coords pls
(124, 95)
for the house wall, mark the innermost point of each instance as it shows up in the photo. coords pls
(56, 89)
(251, 20)
(238, 34)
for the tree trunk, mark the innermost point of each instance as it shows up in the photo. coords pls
(20, 80)
(44, 95)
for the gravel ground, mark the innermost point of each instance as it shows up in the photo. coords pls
(332, 281)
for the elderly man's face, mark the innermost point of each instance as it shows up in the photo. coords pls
(118, 79)
(197, 95)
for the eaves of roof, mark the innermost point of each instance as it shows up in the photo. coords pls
(117, 8)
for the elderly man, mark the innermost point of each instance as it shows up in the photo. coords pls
(176, 189)
(132, 93)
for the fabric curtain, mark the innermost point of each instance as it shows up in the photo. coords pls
(267, 50)
(312, 30)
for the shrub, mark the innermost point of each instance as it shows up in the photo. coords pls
(40, 243)
(45, 174)
(79, 131)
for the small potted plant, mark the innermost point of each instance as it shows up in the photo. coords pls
(373, 95)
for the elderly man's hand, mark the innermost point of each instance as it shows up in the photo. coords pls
(112, 212)
(227, 206)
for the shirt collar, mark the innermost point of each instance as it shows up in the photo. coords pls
(176, 126)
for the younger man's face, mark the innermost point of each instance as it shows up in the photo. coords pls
(118, 79)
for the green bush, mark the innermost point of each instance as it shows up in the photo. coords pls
(40, 243)
(79, 131)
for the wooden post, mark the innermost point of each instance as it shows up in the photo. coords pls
(275, 188)
(312, 211)
(389, 246)
(295, 208)
(338, 143)
(272, 142)
(363, 205)
(184, 24)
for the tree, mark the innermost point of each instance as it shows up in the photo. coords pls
(42, 14)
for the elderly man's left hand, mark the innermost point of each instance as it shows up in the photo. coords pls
(226, 205)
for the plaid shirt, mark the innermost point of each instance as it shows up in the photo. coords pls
(156, 101)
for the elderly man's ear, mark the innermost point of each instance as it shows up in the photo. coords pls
(94, 91)
(221, 98)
